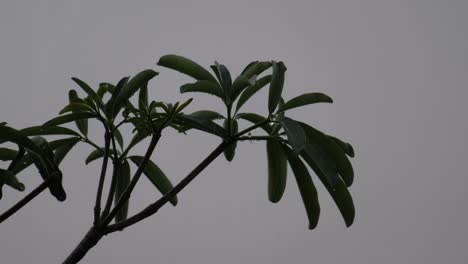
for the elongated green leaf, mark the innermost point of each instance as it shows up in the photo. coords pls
(47, 167)
(115, 91)
(10, 134)
(203, 86)
(156, 176)
(249, 66)
(143, 97)
(7, 154)
(345, 146)
(207, 115)
(256, 69)
(225, 78)
(231, 149)
(9, 178)
(63, 150)
(240, 84)
(277, 170)
(330, 152)
(91, 93)
(276, 85)
(123, 179)
(82, 124)
(42, 131)
(338, 191)
(306, 187)
(186, 66)
(305, 99)
(295, 133)
(183, 106)
(68, 118)
(130, 88)
(251, 90)
(255, 118)
(76, 107)
(201, 124)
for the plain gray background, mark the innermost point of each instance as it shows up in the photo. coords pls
(397, 71)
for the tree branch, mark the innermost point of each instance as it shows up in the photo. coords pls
(153, 208)
(25, 200)
(126, 195)
(97, 206)
(110, 196)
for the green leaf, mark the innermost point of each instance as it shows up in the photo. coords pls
(225, 78)
(3, 123)
(91, 93)
(68, 118)
(10, 134)
(83, 123)
(156, 176)
(76, 107)
(345, 146)
(230, 151)
(295, 133)
(201, 124)
(184, 105)
(255, 118)
(256, 69)
(251, 90)
(115, 91)
(44, 162)
(330, 152)
(123, 179)
(143, 98)
(42, 131)
(276, 85)
(130, 88)
(9, 178)
(306, 187)
(7, 154)
(240, 83)
(186, 66)
(250, 65)
(207, 115)
(338, 191)
(63, 150)
(203, 86)
(305, 99)
(277, 170)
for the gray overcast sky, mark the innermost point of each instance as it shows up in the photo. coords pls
(397, 71)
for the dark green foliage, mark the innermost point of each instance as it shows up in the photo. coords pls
(305, 99)
(287, 140)
(277, 170)
(276, 85)
(231, 150)
(186, 66)
(306, 187)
